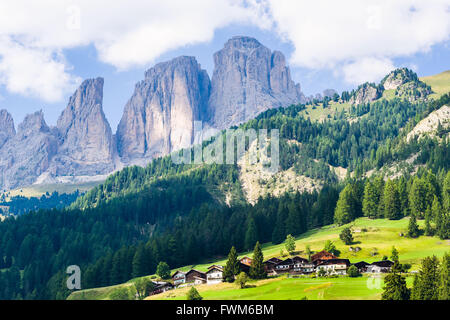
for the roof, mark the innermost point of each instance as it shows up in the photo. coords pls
(383, 264)
(323, 255)
(193, 270)
(273, 260)
(297, 258)
(361, 264)
(161, 284)
(334, 261)
(244, 258)
(213, 268)
(288, 261)
(178, 271)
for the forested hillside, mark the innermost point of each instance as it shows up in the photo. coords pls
(182, 214)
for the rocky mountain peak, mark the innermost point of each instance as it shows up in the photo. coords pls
(32, 124)
(398, 77)
(366, 92)
(248, 79)
(7, 130)
(159, 117)
(84, 133)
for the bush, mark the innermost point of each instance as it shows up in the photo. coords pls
(193, 294)
(242, 279)
(346, 236)
(353, 272)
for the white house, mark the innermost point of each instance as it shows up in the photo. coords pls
(380, 266)
(334, 266)
(179, 277)
(214, 274)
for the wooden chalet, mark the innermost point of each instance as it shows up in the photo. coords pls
(380, 266)
(161, 286)
(322, 255)
(269, 265)
(244, 264)
(214, 274)
(362, 266)
(179, 277)
(195, 276)
(333, 266)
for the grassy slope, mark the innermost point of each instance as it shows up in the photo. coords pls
(440, 83)
(381, 234)
(40, 189)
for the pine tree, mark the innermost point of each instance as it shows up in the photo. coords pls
(395, 288)
(257, 267)
(413, 228)
(251, 236)
(346, 236)
(344, 212)
(232, 267)
(417, 197)
(426, 286)
(370, 200)
(446, 192)
(138, 264)
(279, 231)
(391, 201)
(428, 228)
(444, 283)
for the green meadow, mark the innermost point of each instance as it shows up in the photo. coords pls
(375, 238)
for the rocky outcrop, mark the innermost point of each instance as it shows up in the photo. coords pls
(398, 77)
(248, 78)
(159, 117)
(85, 137)
(437, 123)
(365, 93)
(28, 154)
(7, 130)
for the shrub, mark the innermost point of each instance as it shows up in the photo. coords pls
(193, 294)
(242, 279)
(353, 272)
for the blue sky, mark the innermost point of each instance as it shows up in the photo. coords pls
(40, 67)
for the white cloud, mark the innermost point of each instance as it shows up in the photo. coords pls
(340, 35)
(126, 34)
(366, 69)
(345, 35)
(34, 72)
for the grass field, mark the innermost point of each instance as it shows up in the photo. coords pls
(374, 235)
(319, 113)
(440, 83)
(283, 288)
(40, 189)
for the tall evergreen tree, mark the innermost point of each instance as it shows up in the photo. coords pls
(417, 197)
(139, 267)
(370, 200)
(251, 235)
(279, 231)
(231, 268)
(444, 283)
(395, 288)
(427, 284)
(391, 201)
(413, 228)
(345, 212)
(257, 267)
